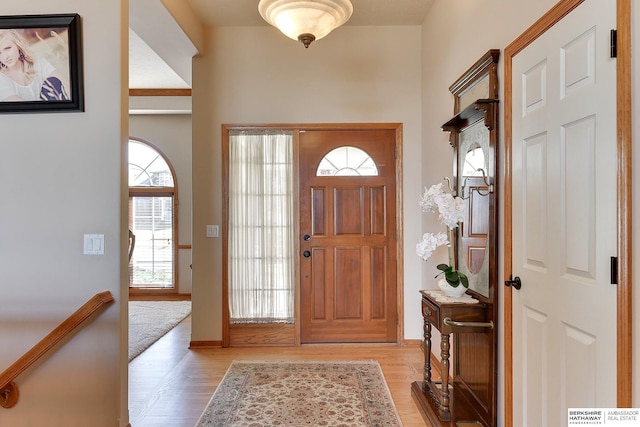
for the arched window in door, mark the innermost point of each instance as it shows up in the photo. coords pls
(152, 218)
(347, 161)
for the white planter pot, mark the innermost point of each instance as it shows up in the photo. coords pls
(449, 290)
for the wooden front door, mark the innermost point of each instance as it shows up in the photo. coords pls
(348, 236)
(564, 219)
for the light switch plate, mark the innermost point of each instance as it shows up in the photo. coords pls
(213, 231)
(93, 244)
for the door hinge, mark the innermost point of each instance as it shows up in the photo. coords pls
(614, 270)
(614, 43)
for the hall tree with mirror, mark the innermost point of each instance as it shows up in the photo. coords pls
(466, 394)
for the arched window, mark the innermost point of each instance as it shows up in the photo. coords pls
(347, 161)
(152, 218)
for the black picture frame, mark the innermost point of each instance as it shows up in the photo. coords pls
(53, 46)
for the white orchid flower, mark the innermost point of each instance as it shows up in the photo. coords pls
(451, 212)
(429, 243)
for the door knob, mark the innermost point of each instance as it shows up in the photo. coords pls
(514, 282)
(306, 254)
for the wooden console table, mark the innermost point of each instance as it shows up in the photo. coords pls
(435, 398)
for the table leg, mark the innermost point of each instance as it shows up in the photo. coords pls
(444, 354)
(427, 354)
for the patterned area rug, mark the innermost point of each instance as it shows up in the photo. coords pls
(298, 393)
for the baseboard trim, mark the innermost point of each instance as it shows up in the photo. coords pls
(156, 295)
(194, 345)
(413, 343)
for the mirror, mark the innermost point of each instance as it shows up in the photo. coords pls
(474, 189)
(473, 164)
(473, 136)
(479, 90)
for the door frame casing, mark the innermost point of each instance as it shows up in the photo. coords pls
(624, 201)
(277, 334)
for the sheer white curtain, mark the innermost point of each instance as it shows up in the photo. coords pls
(261, 258)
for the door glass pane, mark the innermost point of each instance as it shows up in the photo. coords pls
(347, 161)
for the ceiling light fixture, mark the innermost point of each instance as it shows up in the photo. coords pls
(305, 20)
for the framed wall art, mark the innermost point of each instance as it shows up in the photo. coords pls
(41, 63)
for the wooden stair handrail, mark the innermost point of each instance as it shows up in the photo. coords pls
(8, 390)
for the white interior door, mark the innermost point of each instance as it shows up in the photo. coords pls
(564, 219)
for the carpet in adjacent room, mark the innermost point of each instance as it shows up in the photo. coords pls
(150, 320)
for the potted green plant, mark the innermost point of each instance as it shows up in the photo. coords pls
(454, 283)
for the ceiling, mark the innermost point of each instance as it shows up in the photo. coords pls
(156, 60)
(365, 12)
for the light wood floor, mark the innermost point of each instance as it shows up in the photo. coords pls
(170, 385)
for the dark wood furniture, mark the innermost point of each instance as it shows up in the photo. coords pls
(467, 393)
(436, 398)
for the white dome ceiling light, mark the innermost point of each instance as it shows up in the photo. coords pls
(305, 20)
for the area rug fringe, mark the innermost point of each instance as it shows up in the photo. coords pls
(301, 393)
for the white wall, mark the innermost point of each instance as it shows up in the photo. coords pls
(61, 178)
(171, 133)
(256, 75)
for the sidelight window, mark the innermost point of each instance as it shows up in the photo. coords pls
(261, 227)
